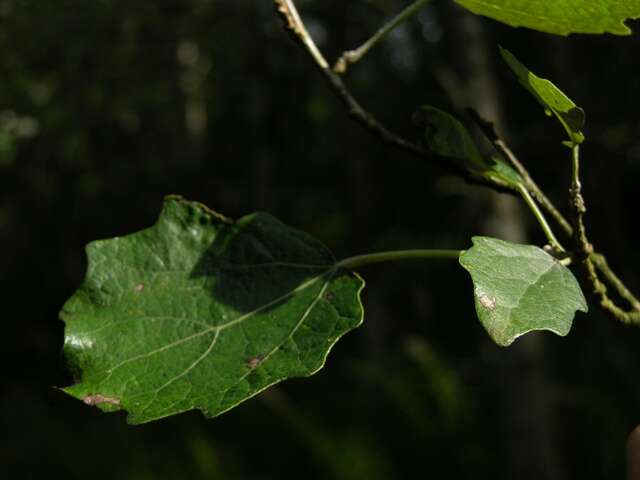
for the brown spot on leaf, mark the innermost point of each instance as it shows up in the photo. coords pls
(97, 399)
(487, 302)
(254, 362)
(329, 296)
(138, 288)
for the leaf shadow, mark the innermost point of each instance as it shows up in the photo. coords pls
(258, 262)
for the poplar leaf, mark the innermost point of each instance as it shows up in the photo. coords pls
(520, 288)
(201, 312)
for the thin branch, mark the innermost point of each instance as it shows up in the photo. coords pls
(593, 261)
(294, 24)
(598, 260)
(630, 317)
(353, 56)
(533, 187)
(578, 206)
(489, 131)
(601, 264)
(584, 253)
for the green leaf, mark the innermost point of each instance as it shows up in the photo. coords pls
(550, 97)
(505, 172)
(446, 136)
(199, 312)
(520, 288)
(560, 17)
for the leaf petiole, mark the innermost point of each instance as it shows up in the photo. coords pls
(533, 206)
(371, 258)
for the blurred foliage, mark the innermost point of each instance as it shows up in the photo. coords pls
(106, 106)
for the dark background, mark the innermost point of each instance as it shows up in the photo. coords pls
(106, 106)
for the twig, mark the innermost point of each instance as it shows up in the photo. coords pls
(593, 261)
(601, 264)
(578, 206)
(630, 317)
(584, 253)
(598, 260)
(489, 131)
(533, 187)
(294, 24)
(352, 56)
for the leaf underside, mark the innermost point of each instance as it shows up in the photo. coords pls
(552, 99)
(560, 17)
(520, 288)
(199, 312)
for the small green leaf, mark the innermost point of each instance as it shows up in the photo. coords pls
(560, 17)
(520, 288)
(550, 97)
(199, 312)
(446, 136)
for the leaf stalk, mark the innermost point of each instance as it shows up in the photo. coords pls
(533, 206)
(395, 255)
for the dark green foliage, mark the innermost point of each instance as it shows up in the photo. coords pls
(199, 312)
(111, 97)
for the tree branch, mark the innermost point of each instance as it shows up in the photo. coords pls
(295, 26)
(593, 262)
(547, 205)
(585, 254)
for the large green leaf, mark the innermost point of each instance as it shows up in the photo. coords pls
(554, 101)
(199, 312)
(520, 288)
(560, 17)
(446, 136)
